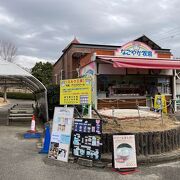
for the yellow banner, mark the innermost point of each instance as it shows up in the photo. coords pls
(75, 91)
(160, 103)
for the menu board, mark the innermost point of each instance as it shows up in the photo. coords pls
(87, 138)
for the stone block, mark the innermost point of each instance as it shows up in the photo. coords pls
(85, 162)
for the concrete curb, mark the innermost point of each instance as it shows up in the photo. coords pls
(106, 160)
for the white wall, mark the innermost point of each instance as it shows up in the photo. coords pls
(166, 72)
(109, 69)
(178, 86)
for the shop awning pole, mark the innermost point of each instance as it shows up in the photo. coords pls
(174, 91)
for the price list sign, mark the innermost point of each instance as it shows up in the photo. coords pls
(87, 138)
(75, 91)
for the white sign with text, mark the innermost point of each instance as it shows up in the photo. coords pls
(61, 133)
(124, 151)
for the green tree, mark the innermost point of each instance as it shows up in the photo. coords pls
(43, 72)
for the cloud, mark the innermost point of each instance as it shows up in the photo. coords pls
(4, 17)
(29, 61)
(43, 28)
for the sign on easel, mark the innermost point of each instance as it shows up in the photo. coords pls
(87, 138)
(61, 133)
(124, 151)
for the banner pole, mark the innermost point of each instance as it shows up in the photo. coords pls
(90, 110)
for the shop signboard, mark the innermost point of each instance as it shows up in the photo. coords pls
(136, 49)
(160, 103)
(124, 151)
(75, 91)
(61, 133)
(87, 138)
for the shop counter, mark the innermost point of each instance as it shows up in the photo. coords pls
(124, 102)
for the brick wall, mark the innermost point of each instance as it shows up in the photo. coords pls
(69, 64)
(85, 60)
(162, 55)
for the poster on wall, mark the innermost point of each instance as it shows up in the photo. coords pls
(124, 151)
(87, 138)
(61, 133)
(90, 71)
(75, 91)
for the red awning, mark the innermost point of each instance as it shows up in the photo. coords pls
(122, 62)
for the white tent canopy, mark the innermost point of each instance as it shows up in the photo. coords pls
(12, 75)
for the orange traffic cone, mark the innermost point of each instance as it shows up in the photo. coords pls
(32, 133)
(33, 125)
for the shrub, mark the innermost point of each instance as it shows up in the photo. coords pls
(53, 97)
(19, 95)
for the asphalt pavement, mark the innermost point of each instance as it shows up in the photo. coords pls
(20, 160)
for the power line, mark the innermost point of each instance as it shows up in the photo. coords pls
(169, 37)
(172, 30)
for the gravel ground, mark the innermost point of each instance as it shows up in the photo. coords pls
(19, 160)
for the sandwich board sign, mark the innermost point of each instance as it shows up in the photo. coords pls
(87, 138)
(61, 133)
(124, 151)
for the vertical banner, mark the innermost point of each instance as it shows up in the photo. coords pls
(61, 133)
(124, 151)
(87, 138)
(160, 103)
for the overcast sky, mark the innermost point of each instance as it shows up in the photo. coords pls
(42, 28)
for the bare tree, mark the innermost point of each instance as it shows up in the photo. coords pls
(7, 51)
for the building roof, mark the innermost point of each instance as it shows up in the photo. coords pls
(83, 45)
(149, 42)
(142, 38)
(74, 41)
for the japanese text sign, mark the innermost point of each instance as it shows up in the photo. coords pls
(75, 91)
(61, 133)
(124, 151)
(87, 138)
(136, 49)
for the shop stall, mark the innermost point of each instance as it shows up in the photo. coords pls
(131, 87)
(133, 76)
